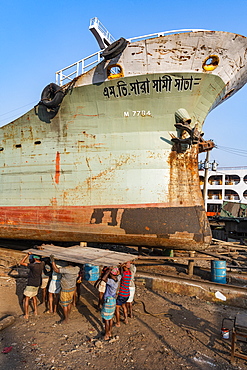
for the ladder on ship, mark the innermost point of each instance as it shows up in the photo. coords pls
(102, 35)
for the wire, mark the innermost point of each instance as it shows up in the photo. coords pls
(239, 152)
(8, 118)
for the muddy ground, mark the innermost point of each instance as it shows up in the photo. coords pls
(168, 331)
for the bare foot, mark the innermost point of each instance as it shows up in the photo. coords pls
(106, 337)
(62, 322)
(25, 317)
(117, 324)
(126, 321)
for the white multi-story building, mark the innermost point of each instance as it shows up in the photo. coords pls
(224, 184)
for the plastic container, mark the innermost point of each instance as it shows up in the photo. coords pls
(91, 272)
(218, 272)
(225, 333)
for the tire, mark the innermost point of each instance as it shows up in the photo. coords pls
(114, 49)
(52, 96)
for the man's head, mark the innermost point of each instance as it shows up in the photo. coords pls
(115, 271)
(126, 266)
(36, 258)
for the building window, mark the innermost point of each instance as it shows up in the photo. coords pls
(214, 194)
(232, 180)
(215, 180)
(214, 208)
(201, 179)
(231, 195)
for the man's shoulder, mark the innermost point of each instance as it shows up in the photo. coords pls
(111, 281)
(70, 269)
(132, 268)
(36, 267)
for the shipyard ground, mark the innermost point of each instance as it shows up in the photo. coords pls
(168, 331)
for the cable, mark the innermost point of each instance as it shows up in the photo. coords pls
(17, 108)
(4, 114)
(239, 152)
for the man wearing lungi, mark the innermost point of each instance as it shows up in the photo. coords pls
(68, 285)
(111, 278)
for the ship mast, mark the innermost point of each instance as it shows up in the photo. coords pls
(102, 35)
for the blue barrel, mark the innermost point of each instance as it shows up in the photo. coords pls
(218, 271)
(91, 272)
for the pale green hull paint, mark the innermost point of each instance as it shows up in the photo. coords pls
(106, 157)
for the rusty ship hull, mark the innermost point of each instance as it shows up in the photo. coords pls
(117, 161)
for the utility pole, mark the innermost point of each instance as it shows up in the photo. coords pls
(206, 167)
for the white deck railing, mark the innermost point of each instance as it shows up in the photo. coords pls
(83, 65)
(77, 68)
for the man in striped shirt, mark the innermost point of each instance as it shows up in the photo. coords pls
(123, 293)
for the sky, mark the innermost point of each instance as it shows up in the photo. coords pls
(38, 38)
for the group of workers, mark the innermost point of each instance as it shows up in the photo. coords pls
(60, 281)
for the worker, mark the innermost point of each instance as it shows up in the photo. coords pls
(68, 285)
(33, 282)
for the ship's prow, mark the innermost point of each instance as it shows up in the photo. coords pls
(110, 154)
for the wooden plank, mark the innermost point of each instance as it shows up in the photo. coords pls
(82, 255)
(215, 255)
(175, 258)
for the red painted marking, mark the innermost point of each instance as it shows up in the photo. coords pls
(57, 175)
(42, 215)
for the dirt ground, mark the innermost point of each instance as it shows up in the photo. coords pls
(178, 332)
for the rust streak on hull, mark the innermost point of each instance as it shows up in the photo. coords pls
(57, 175)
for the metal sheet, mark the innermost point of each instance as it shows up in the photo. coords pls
(82, 255)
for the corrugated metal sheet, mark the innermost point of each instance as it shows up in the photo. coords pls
(82, 255)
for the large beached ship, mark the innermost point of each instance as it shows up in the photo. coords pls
(110, 153)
